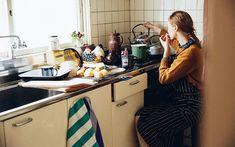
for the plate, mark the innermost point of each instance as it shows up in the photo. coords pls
(116, 71)
(110, 67)
(93, 65)
(37, 75)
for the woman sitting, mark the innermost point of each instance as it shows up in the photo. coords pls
(158, 126)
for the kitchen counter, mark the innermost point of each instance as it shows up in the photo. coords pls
(11, 104)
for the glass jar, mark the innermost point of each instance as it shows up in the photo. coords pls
(54, 43)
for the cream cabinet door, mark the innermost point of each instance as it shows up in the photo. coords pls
(44, 127)
(2, 136)
(101, 104)
(123, 120)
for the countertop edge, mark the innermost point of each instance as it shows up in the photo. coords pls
(62, 96)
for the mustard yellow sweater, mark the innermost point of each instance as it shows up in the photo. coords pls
(189, 64)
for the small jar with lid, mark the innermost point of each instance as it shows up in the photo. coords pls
(54, 43)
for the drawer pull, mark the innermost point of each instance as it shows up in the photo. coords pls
(134, 82)
(121, 104)
(28, 120)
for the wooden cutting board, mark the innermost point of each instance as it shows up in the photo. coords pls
(62, 85)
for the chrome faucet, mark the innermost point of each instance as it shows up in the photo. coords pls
(15, 45)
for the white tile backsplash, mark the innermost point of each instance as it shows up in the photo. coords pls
(180, 4)
(148, 4)
(115, 27)
(139, 4)
(114, 5)
(100, 5)
(101, 30)
(121, 16)
(127, 27)
(94, 30)
(115, 16)
(158, 4)
(191, 4)
(108, 5)
(199, 28)
(94, 18)
(169, 4)
(93, 4)
(132, 15)
(166, 15)
(102, 40)
(121, 5)
(200, 4)
(139, 15)
(148, 16)
(132, 4)
(101, 18)
(108, 17)
(199, 16)
(121, 27)
(127, 16)
(108, 29)
(127, 5)
(158, 15)
(94, 40)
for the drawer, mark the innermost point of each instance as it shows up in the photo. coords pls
(129, 87)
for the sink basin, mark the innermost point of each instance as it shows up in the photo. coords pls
(18, 96)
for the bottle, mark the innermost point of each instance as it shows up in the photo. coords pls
(125, 58)
(54, 43)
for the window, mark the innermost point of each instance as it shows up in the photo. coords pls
(4, 30)
(34, 21)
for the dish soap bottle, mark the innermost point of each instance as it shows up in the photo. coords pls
(125, 58)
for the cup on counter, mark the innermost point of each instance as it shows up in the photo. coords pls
(49, 70)
(131, 62)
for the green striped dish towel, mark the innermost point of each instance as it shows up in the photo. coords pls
(80, 131)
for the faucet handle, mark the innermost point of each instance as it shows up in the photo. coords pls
(24, 44)
(14, 45)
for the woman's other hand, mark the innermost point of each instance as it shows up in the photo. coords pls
(153, 27)
(165, 41)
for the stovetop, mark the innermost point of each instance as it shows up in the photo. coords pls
(149, 60)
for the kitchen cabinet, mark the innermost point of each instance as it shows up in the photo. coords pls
(44, 127)
(101, 104)
(2, 139)
(128, 99)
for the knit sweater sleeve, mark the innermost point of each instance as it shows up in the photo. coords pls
(181, 66)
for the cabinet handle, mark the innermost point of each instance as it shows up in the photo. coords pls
(28, 120)
(134, 82)
(121, 104)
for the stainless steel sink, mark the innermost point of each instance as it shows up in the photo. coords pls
(17, 96)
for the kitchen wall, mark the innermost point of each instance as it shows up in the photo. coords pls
(122, 15)
(158, 11)
(108, 16)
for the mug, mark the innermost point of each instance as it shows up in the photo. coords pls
(49, 70)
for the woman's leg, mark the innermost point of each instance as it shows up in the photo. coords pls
(159, 125)
(142, 143)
